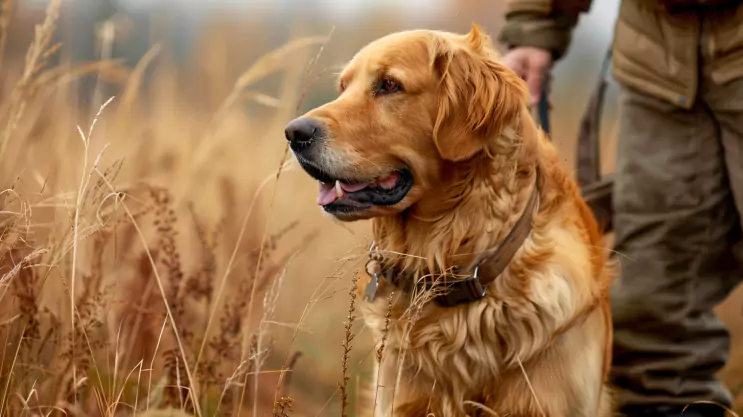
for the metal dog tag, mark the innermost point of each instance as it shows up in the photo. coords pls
(370, 292)
(373, 269)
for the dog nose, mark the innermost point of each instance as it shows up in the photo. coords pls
(300, 132)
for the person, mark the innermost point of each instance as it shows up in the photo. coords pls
(678, 191)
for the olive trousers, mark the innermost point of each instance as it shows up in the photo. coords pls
(678, 203)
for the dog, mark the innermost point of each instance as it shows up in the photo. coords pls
(497, 266)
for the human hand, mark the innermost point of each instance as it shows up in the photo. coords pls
(533, 65)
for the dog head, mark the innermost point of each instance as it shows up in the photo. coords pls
(409, 104)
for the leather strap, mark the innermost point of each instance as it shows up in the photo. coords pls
(492, 266)
(451, 289)
(589, 135)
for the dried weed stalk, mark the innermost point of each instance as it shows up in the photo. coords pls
(387, 316)
(39, 51)
(382, 345)
(166, 225)
(348, 338)
(281, 406)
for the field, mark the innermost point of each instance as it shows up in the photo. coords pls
(159, 249)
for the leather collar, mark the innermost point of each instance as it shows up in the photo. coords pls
(453, 288)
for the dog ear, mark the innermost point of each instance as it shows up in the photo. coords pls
(478, 96)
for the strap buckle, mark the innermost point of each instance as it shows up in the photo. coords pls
(458, 291)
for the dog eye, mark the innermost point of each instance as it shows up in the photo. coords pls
(388, 86)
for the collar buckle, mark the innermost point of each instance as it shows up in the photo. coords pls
(458, 291)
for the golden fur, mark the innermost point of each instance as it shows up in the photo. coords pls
(538, 343)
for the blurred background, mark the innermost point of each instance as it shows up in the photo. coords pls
(249, 29)
(202, 92)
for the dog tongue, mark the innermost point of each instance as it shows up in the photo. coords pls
(332, 191)
(326, 194)
(329, 191)
(352, 188)
(389, 182)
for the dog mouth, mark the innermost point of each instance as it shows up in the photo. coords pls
(347, 195)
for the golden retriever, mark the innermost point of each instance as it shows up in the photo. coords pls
(432, 138)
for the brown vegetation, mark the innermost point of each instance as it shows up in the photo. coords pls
(131, 277)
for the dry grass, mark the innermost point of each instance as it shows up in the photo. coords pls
(129, 282)
(148, 261)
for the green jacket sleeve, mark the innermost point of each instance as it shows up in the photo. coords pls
(546, 24)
